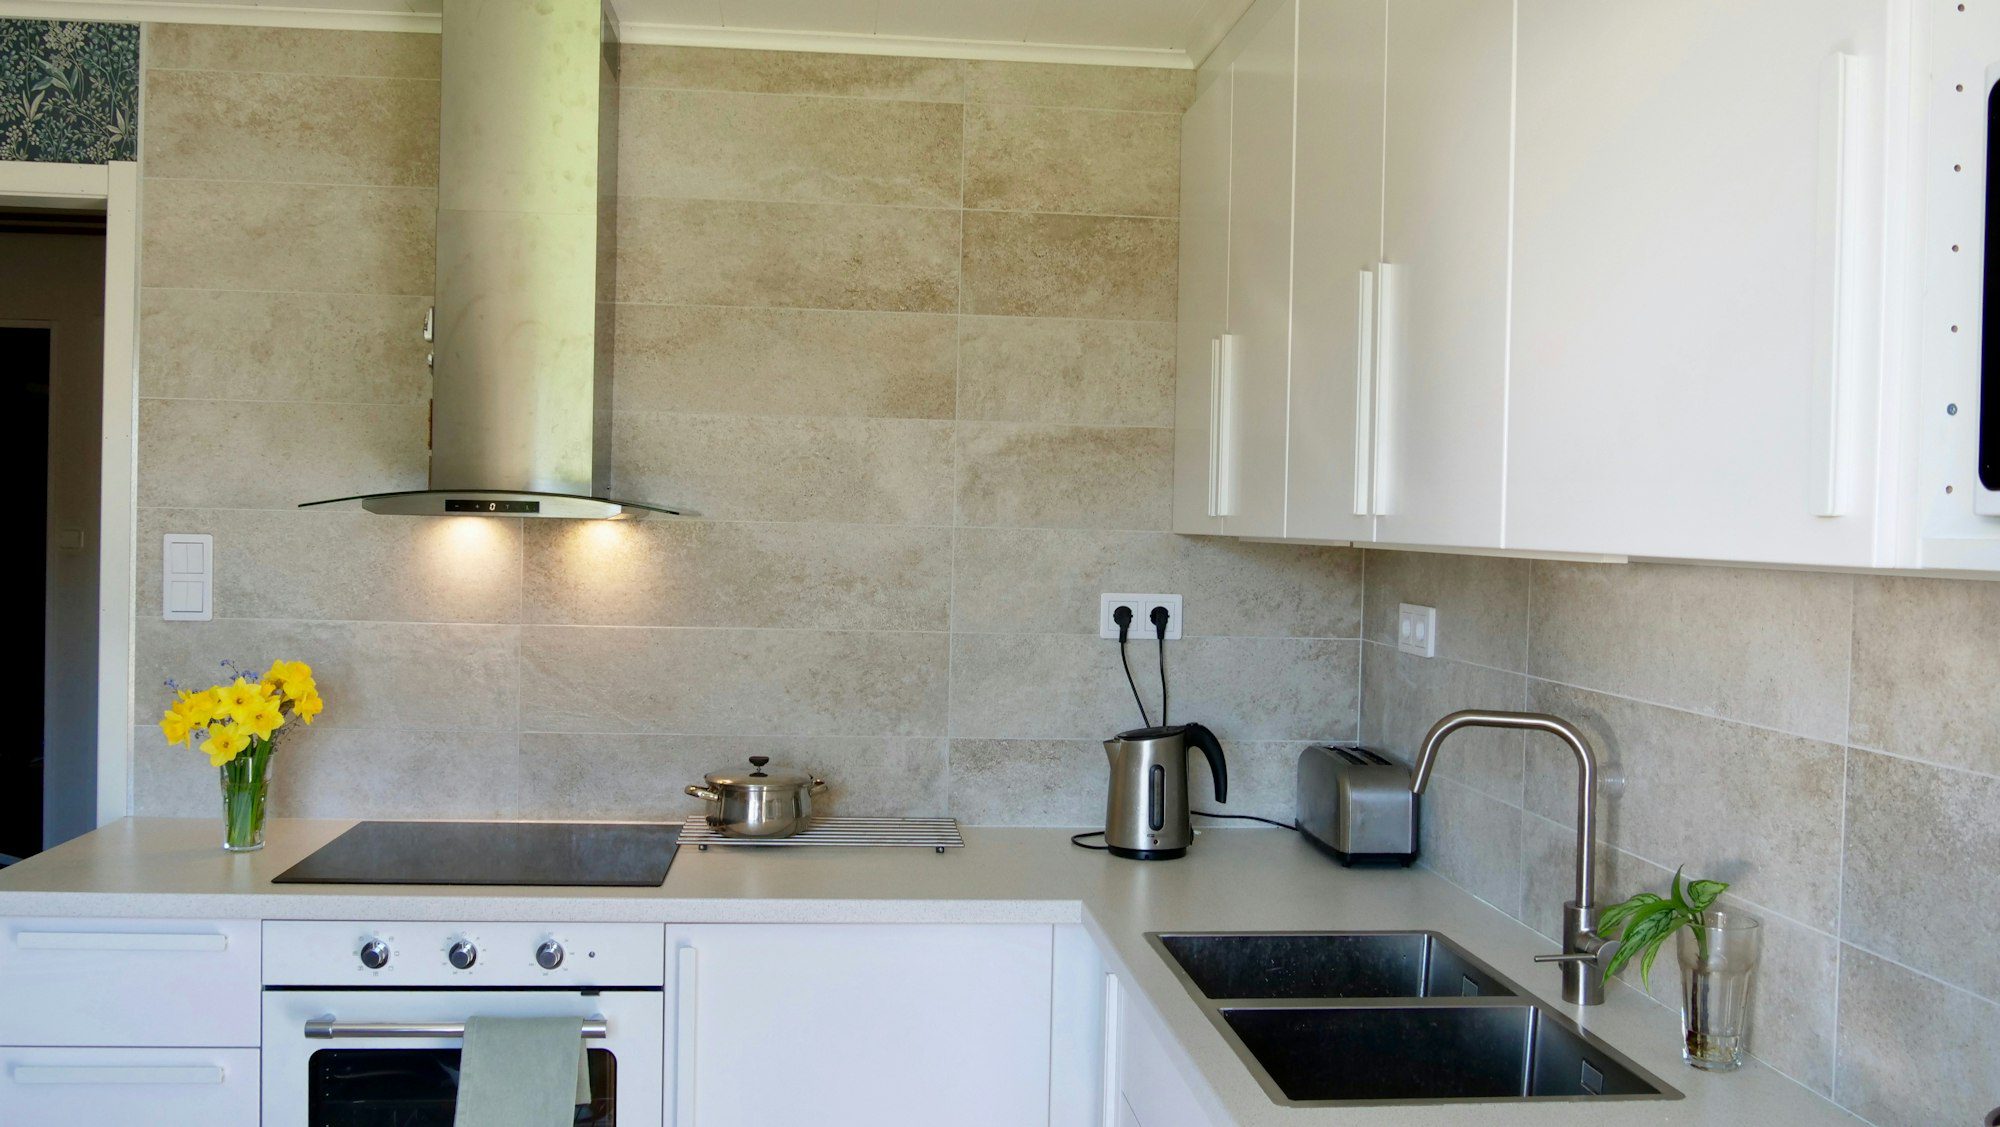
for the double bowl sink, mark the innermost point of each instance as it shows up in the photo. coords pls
(1331, 1020)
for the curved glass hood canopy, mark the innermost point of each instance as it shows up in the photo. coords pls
(520, 381)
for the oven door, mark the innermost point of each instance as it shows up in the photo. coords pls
(375, 1058)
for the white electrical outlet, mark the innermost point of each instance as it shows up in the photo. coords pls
(1417, 630)
(1142, 615)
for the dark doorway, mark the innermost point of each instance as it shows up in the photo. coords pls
(25, 356)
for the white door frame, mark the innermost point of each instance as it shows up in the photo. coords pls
(114, 189)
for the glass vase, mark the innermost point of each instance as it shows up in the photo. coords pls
(246, 784)
(1718, 959)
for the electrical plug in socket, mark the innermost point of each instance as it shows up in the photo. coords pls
(1142, 615)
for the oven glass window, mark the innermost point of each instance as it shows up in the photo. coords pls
(419, 1088)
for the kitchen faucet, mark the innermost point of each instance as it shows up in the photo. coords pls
(1584, 951)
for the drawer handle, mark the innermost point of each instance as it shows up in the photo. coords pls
(120, 941)
(117, 1074)
(324, 1028)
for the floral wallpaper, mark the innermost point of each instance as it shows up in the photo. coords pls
(69, 92)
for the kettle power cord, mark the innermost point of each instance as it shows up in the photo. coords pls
(1160, 617)
(1123, 617)
(1077, 839)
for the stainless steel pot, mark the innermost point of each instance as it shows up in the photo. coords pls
(759, 804)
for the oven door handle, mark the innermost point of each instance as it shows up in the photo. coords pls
(326, 1028)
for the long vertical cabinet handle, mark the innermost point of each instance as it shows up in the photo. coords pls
(685, 966)
(1835, 351)
(1364, 397)
(1379, 451)
(1222, 426)
(1112, 1090)
(1214, 426)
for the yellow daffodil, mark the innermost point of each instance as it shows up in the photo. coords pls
(307, 706)
(200, 708)
(241, 699)
(174, 725)
(224, 743)
(295, 678)
(264, 720)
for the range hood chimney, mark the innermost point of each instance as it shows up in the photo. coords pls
(527, 189)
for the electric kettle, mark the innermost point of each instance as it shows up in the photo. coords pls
(1146, 809)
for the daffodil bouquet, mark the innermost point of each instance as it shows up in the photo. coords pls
(236, 725)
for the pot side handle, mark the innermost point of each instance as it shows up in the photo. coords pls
(703, 793)
(819, 784)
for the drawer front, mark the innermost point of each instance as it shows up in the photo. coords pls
(129, 982)
(196, 1087)
(1155, 1091)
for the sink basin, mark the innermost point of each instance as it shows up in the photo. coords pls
(1429, 1053)
(1342, 1018)
(1408, 964)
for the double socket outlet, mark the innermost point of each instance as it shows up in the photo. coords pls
(1142, 612)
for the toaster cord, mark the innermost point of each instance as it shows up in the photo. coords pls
(1246, 818)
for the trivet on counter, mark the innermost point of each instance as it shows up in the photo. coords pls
(908, 833)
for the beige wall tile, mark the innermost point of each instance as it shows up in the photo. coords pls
(1263, 783)
(1914, 1052)
(1031, 158)
(1047, 581)
(791, 72)
(336, 348)
(199, 454)
(821, 256)
(1756, 808)
(1925, 683)
(698, 144)
(291, 128)
(1041, 370)
(1064, 477)
(718, 360)
(346, 565)
(732, 682)
(342, 773)
(703, 573)
(1474, 841)
(1921, 839)
(373, 675)
(1028, 782)
(1482, 603)
(1403, 695)
(1047, 686)
(1763, 647)
(640, 777)
(316, 239)
(873, 471)
(1159, 90)
(1070, 266)
(287, 50)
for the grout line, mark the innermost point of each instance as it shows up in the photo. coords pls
(154, 69)
(1840, 874)
(881, 312)
(763, 201)
(428, 189)
(1900, 965)
(144, 289)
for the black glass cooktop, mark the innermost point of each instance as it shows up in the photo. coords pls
(622, 854)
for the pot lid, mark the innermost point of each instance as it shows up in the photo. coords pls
(757, 776)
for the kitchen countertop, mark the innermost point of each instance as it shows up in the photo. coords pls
(1232, 880)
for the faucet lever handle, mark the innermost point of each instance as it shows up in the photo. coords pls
(1568, 957)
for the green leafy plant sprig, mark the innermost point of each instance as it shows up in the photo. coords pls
(1649, 919)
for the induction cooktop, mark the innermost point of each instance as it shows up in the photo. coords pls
(601, 854)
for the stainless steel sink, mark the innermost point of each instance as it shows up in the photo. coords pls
(1409, 964)
(1338, 1019)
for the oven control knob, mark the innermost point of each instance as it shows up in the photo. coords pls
(462, 954)
(549, 955)
(374, 954)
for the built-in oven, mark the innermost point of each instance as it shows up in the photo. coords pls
(363, 1022)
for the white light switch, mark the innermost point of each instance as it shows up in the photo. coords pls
(187, 585)
(1417, 630)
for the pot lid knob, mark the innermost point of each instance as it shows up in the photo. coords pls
(757, 762)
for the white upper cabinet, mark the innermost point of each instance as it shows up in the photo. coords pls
(1336, 248)
(1204, 309)
(1698, 282)
(1440, 427)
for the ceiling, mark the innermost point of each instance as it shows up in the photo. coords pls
(1174, 33)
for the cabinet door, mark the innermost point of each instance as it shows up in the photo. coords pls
(1204, 306)
(71, 981)
(860, 1025)
(1336, 243)
(1258, 348)
(1696, 278)
(187, 1087)
(1153, 1085)
(1441, 418)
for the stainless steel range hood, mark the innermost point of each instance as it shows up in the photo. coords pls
(526, 238)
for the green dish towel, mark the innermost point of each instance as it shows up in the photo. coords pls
(522, 1072)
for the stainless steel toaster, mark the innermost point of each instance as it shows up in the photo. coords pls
(1356, 804)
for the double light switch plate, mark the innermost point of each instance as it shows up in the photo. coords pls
(1417, 630)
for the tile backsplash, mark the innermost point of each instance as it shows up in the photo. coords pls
(1830, 744)
(901, 329)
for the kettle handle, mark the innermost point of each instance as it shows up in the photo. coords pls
(1211, 748)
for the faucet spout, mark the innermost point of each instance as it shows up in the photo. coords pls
(1583, 948)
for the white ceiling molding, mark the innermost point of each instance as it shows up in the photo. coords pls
(169, 11)
(846, 43)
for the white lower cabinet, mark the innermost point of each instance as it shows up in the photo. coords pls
(165, 1087)
(129, 982)
(853, 1024)
(1153, 1090)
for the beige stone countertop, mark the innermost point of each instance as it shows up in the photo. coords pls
(1232, 880)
